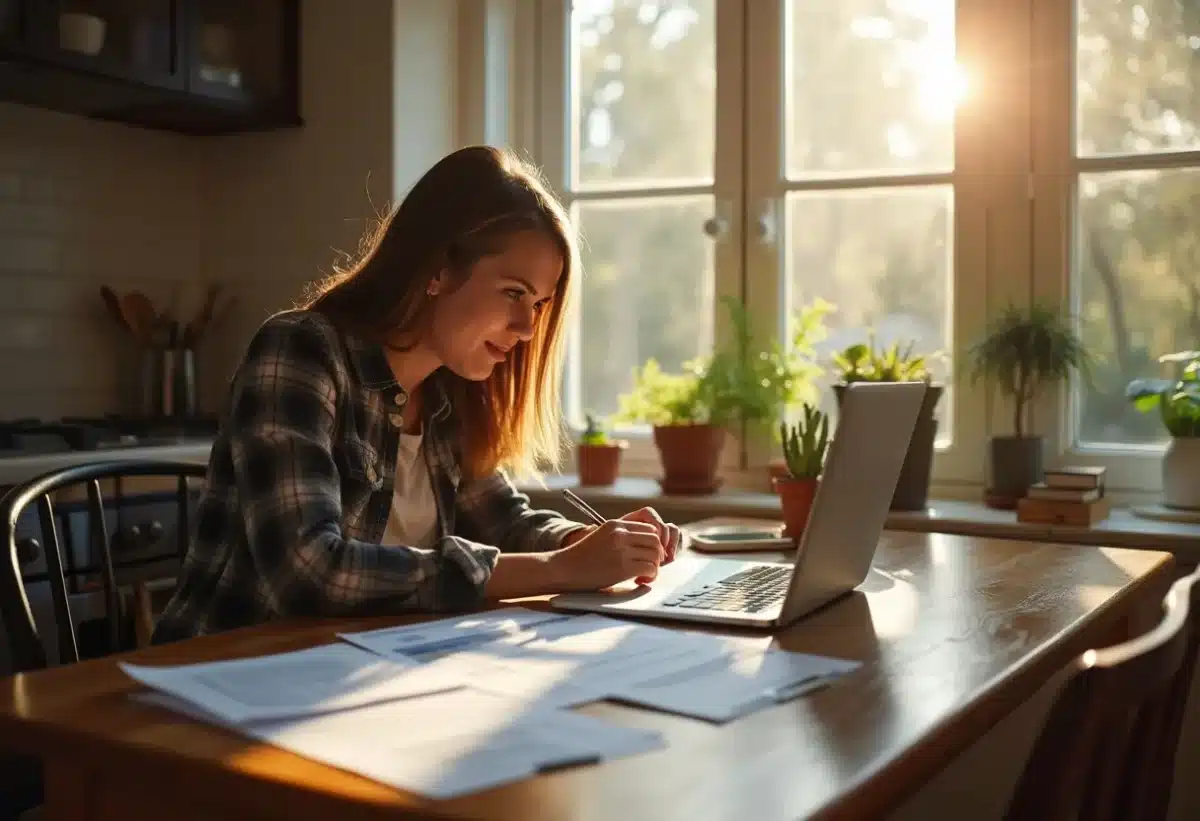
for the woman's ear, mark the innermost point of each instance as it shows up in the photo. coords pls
(435, 285)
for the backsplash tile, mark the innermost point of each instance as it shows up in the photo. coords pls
(85, 203)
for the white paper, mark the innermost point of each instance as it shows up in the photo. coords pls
(319, 679)
(579, 660)
(734, 685)
(433, 639)
(454, 743)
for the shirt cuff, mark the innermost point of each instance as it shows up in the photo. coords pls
(550, 536)
(466, 568)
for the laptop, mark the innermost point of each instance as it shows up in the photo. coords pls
(862, 467)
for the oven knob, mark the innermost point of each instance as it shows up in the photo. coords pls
(28, 551)
(126, 538)
(155, 533)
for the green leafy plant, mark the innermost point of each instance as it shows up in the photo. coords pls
(757, 384)
(1177, 400)
(805, 443)
(594, 433)
(661, 398)
(741, 381)
(863, 362)
(1025, 352)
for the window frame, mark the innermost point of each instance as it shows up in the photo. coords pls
(960, 466)
(1134, 471)
(553, 136)
(1013, 181)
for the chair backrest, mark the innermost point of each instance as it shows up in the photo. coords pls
(1107, 749)
(28, 651)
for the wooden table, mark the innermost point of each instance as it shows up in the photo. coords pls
(954, 632)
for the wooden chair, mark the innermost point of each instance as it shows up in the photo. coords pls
(28, 651)
(1107, 750)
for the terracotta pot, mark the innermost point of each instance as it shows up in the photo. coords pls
(599, 464)
(689, 454)
(796, 496)
(776, 469)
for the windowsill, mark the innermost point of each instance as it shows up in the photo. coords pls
(1122, 528)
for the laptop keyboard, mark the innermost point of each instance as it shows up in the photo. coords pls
(747, 591)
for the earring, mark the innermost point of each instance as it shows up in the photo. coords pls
(431, 290)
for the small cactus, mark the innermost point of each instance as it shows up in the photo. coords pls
(805, 443)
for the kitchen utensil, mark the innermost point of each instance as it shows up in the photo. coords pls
(139, 313)
(113, 304)
(168, 387)
(195, 328)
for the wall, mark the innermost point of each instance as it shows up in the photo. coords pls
(279, 205)
(378, 96)
(84, 203)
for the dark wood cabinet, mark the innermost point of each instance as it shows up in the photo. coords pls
(192, 66)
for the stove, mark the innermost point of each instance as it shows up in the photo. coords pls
(141, 520)
(23, 437)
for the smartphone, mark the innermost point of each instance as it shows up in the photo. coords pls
(738, 538)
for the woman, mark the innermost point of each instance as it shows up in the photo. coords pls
(361, 463)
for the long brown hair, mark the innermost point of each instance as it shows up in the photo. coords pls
(465, 208)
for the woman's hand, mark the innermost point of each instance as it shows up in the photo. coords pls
(670, 535)
(609, 554)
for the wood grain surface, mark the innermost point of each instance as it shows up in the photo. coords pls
(953, 631)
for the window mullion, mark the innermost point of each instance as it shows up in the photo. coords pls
(1052, 100)
(765, 287)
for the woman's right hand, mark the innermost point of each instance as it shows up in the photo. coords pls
(612, 553)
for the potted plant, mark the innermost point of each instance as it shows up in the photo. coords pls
(804, 446)
(1022, 354)
(740, 383)
(598, 455)
(688, 430)
(761, 383)
(866, 363)
(1178, 403)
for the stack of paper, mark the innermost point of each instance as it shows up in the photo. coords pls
(449, 707)
(566, 661)
(305, 682)
(410, 726)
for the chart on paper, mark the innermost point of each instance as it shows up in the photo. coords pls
(428, 641)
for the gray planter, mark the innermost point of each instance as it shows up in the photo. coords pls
(1016, 464)
(912, 488)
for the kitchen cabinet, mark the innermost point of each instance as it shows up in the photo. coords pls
(191, 66)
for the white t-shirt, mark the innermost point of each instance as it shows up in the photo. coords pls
(413, 520)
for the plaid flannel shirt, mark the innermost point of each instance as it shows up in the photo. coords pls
(299, 489)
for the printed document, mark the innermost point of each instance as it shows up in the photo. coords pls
(454, 743)
(733, 685)
(430, 640)
(582, 659)
(447, 744)
(320, 679)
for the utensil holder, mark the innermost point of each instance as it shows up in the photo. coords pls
(168, 386)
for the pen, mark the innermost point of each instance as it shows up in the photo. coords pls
(583, 507)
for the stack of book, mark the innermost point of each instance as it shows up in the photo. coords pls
(1068, 496)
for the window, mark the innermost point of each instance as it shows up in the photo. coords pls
(919, 163)
(1137, 224)
(1116, 127)
(867, 90)
(636, 117)
(779, 151)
